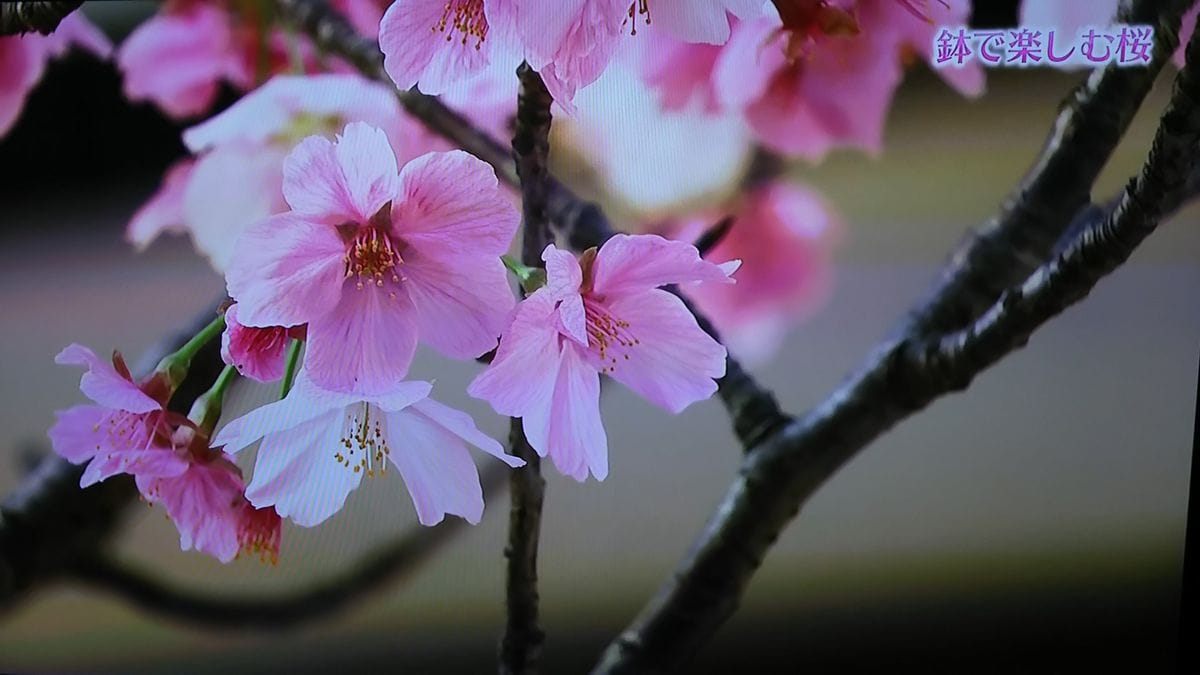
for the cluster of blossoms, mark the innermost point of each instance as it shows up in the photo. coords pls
(348, 235)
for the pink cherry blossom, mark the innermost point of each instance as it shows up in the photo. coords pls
(207, 503)
(602, 314)
(808, 84)
(370, 258)
(179, 58)
(257, 353)
(129, 429)
(237, 178)
(23, 60)
(317, 446)
(783, 234)
(437, 44)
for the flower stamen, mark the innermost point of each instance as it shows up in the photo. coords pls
(364, 442)
(372, 259)
(466, 17)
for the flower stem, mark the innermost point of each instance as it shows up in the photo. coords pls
(206, 411)
(289, 373)
(175, 365)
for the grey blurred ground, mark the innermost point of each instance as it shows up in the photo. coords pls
(1041, 511)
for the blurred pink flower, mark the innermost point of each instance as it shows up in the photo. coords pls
(164, 212)
(783, 234)
(23, 60)
(371, 259)
(237, 178)
(317, 445)
(602, 314)
(257, 353)
(128, 431)
(824, 74)
(207, 503)
(179, 57)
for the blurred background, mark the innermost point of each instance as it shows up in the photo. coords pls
(1033, 523)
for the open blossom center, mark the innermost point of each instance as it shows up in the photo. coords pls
(124, 430)
(465, 17)
(372, 259)
(364, 441)
(609, 337)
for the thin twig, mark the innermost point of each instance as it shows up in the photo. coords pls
(900, 378)
(39, 16)
(386, 564)
(523, 637)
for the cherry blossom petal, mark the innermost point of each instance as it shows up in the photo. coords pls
(164, 211)
(675, 363)
(316, 485)
(276, 470)
(303, 404)
(285, 271)
(178, 58)
(638, 262)
(76, 434)
(461, 304)
(436, 467)
(451, 202)
(564, 276)
(522, 374)
(702, 21)
(346, 181)
(416, 51)
(365, 344)
(460, 424)
(744, 70)
(204, 503)
(103, 384)
(570, 430)
(230, 188)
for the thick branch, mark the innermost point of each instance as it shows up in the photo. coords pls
(521, 645)
(899, 379)
(42, 16)
(386, 564)
(1022, 234)
(49, 523)
(523, 637)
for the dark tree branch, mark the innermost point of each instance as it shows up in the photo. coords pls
(523, 637)
(49, 523)
(386, 564)
(1022, 234)
(899, 379)
(521, 645)
(709, 239)
(41, 16)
